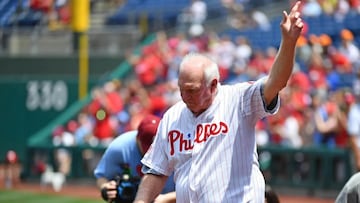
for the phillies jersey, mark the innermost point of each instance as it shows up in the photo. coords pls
(213, 156)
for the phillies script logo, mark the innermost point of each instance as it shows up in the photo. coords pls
(203, 132)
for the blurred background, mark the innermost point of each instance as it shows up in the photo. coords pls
(75, 74)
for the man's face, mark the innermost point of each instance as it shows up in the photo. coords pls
(196, 95)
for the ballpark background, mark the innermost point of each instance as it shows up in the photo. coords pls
(55, 55)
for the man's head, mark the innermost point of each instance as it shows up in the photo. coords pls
(198, 80)
(147, 131)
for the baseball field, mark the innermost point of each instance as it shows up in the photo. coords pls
(34, 193)
(87, 193)
(31, 197)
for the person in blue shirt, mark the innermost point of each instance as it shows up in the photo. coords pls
(123, 155)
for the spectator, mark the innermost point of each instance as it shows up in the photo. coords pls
(195, 14)
(63, 11)
(243, 53)
(348, 47)
(179, 47)
(355, 5)
(342, 9)
(223, 54)
(327, 123)
(243, 49)
(198, 12)
(287, 129)
(42, 5)
(339, 61)
(258, 64)
(158, 102)
(63, 137)
(237, 16)
(303, 52)
(260, 20)
(340, 97)
(262, 133)
(11, 169)
(150, 67)
(198, 39)
(102, 108)
(317, 71)
(137, 102)
(311, 8)
(83, 134)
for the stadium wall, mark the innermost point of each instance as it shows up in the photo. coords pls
(35, 90)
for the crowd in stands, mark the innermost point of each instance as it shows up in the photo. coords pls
(338, 8)
(57, 12)
(240, 12)
(315, 103)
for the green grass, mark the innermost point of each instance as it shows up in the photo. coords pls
(10, 196)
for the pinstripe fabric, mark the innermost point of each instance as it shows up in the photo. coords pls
(213, 155)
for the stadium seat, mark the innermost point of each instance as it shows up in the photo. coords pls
(352, 21)
(7, 9)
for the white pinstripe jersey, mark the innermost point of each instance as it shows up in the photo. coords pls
(213, 155)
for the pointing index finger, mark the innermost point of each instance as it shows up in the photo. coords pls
(295, 8)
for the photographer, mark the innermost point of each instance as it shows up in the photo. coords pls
(118, 172)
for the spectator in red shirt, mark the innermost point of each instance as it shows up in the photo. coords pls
(106, 104)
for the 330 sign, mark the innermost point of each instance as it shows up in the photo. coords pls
(46, 95)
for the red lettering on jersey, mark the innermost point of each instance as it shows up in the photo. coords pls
(203, 132)
(176, 136)
(209, 130)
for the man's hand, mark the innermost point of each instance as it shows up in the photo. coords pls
(108, 191)
(166, 198)
(292, 24)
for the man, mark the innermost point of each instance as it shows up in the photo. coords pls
(123, 156)
(208, 139)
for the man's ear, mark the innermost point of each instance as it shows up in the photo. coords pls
(213, 85)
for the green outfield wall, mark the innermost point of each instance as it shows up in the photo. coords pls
(36, 90)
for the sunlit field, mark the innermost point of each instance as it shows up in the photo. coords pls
(10, 196)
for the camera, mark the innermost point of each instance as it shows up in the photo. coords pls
(127, 187)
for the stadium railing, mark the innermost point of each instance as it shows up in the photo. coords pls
(311, 168)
